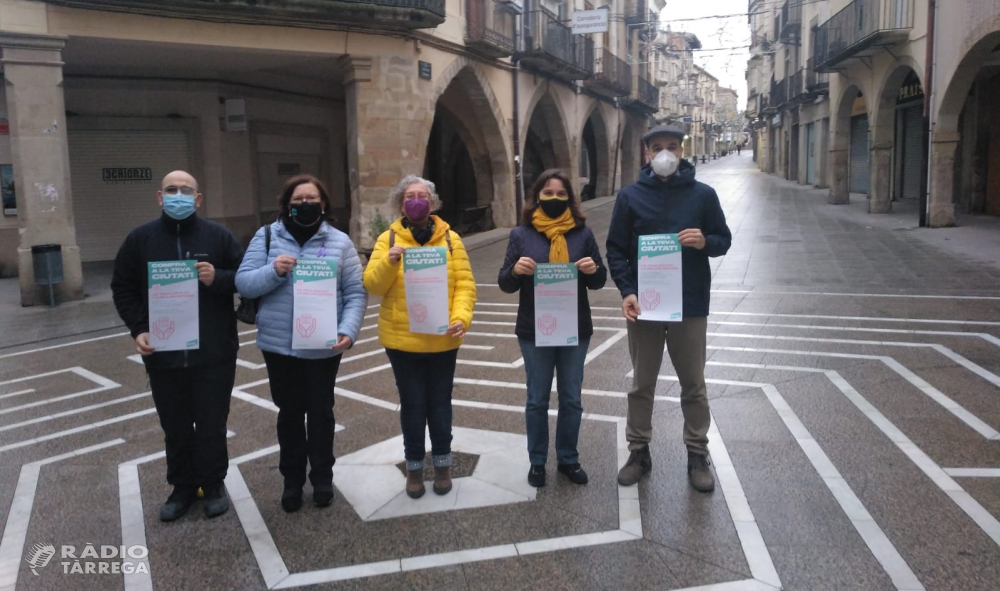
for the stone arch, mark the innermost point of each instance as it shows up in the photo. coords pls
(465, 107)
(597, 137)
(977, 48)
(546, 141)
(840, 141)
(882, 114)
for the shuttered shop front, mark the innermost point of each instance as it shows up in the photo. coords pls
(115, 176)
(859, 154)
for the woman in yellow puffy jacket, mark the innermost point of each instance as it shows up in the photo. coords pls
(424, 364)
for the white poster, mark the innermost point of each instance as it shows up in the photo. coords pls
(556, 320)
(173, 305)
(425, 274)
(314, 307)
(660, 281)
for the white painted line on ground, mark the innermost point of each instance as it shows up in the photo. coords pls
(18, 393)
(255, 400)
(599, 349)
(919, 383)
(973, 472)
(72, 344)
(861, 318)
(878, 543)
(16, 529)
(76, 430)
(365, 372)
(521, 386)
(269, 560)
(260, 453)
(979, 335)
(355, 357)
(75, 411)
(103, 384)
(824, 294)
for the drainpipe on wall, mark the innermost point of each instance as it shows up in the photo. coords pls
(928, 106)
(618, 146)
(518, 183)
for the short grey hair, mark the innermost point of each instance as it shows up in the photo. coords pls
(396, 196)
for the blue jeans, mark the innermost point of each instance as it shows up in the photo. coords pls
(425, 382)
(539, 365)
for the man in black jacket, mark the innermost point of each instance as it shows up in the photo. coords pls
(668, 200)
(191, 389)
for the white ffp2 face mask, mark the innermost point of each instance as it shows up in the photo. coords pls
(665, 163)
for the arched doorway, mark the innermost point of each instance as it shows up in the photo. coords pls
(595, 168)
(467, 153)
(849, 154)
(898, 146)
(546, 145)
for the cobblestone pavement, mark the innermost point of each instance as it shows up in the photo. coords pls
(854, 383)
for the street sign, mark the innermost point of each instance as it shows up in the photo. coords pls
(590, 21)
(424, 70)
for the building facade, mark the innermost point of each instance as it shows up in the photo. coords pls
(882, 100)
(104, 97)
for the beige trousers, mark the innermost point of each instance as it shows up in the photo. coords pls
(685, 343)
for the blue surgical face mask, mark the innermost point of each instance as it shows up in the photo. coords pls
(178, 206)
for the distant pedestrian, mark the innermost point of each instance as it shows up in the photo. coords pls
(302, 380)
(191, 389)
(552, 230)
(423, 364)
(739, 149)
(668, 200)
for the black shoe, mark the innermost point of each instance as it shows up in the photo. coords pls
(291, 499)
(216, 500)
(536, 476)
(323, 495)
(178, 503)
(698, 473)
(638, 465)
(574, 472)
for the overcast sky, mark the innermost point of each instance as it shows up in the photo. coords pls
(729, 66)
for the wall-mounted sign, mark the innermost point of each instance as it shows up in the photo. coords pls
(127, 175)
(911, 89)
(236, 115)
(289, 168)
(4, 127)
(424, 70)
(590, 21)
(7, 189)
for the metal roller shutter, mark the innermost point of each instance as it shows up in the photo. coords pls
(115, 176)
(859, 155)
(913, 151)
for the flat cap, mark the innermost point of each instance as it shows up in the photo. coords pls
(664, 129)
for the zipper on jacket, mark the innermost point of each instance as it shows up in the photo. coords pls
(181, 258)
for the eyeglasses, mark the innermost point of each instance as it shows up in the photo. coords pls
(306, 199)
(409, 196)
(182, 190)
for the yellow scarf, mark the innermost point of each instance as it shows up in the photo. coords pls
(554, 230)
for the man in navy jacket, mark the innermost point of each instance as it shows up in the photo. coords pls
(668, 200)
(191, 389)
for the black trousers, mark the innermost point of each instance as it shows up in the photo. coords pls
(303, 389)
(193, 405)
(425, 382)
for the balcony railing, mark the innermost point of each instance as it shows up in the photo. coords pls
(796, 86)
(489, 27)
(552, 48)
(635, 12)
(612, 76)
(779, 93)
(645, 96)
(791, 22)
(388, 14)
(862, 26)
(817, 83)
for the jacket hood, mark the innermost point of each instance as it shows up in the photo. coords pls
(683, 177)
(441, 228)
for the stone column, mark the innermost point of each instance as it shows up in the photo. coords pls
(389, 118)
(34, 81)
(840, 175)
(942, 203)
(880, 192)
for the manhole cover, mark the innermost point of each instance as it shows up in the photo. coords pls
(462, 464)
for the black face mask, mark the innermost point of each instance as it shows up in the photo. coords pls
(305, 214)
(553, 207)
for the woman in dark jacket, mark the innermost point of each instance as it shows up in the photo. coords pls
(552, 230)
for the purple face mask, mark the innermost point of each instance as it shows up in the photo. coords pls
(416, 210)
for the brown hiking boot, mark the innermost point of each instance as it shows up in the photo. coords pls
(699, 474)
(638, 465)
(442, 480)
(415, 484)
